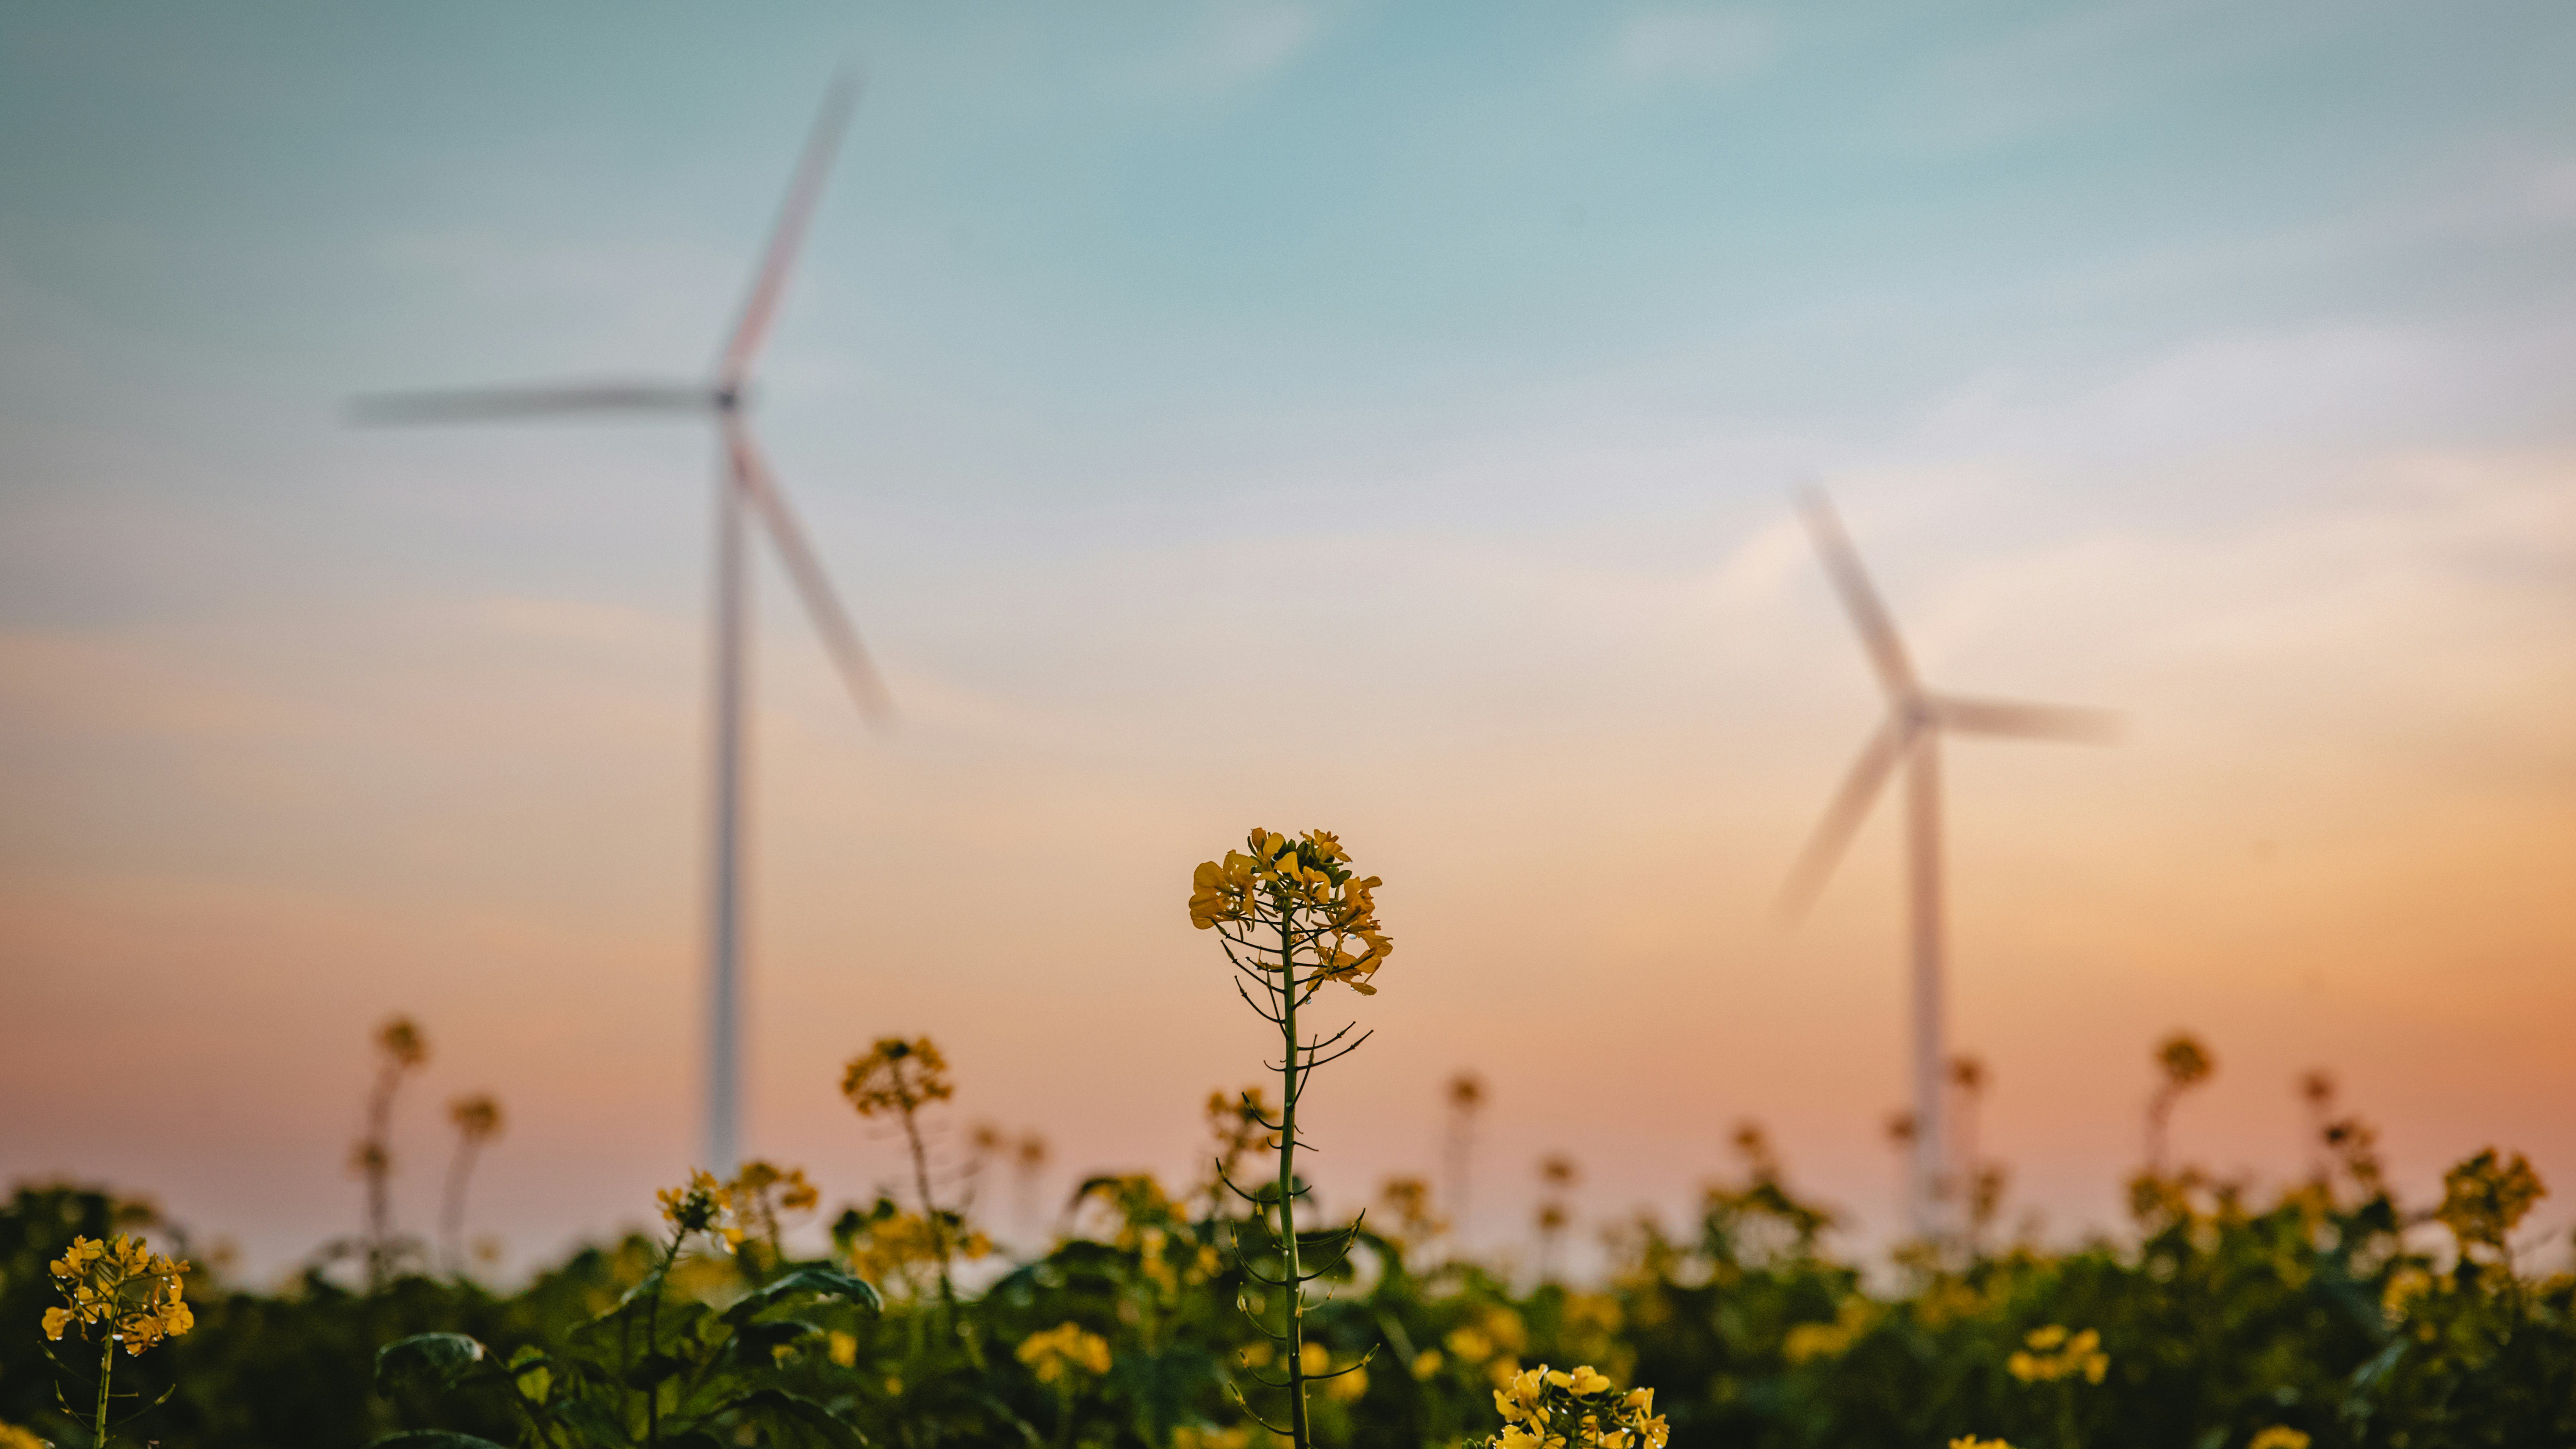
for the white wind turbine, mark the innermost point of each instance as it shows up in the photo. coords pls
(1910, 735)
(743, 484)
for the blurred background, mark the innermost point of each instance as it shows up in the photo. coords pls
(1350, 415)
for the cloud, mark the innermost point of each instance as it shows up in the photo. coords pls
(2335, 384)
(1694, 45)
(1234, 43)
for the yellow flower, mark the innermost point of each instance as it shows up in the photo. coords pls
(13, 1437)
(1051, 1355)
(842, 1348)
(122, 1285)
(1305, 888)
(2059, 1355)
(2484, 1198)
(477, 1117)
(704, 1206)
(402, 1042)
(1348, 1388)
(1574, 1401)
(897, 1075)
(1971, 1441)
(2279, 1436)
(1426, 1363)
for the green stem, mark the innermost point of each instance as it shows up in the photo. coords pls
(940, 1247)
(1292, 1312)
(106, 1368)
(929, 1210)
(653, 1337)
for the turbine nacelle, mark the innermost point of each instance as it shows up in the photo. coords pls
(1916, 716)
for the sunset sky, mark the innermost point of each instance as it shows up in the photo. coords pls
(1369, 416)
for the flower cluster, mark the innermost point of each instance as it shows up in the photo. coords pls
(704, 1206)
(903, 1251)
(1808, 1342)
(2279, 1436)
(477, 1118)
(1303, 889)
(403, 1043)
(2051, 1353)
(897, 1076)
(2484, 1198)
(1052, 1354)
(120, 1283)
(1548, 1408)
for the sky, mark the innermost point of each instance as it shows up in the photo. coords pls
(1363, 416)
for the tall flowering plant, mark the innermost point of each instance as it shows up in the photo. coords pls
(125, 1294)
(1293, 917)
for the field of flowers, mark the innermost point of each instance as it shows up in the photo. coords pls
(1205, 1314)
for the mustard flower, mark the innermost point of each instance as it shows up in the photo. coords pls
(2052, 1353)
(897, 1076)
(1058, 1351)
(1576, 1408)
(704, 1206)
(1304, 887)
(2484, 1198)
(134, 1294)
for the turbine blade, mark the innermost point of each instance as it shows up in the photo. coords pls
(785, 239)
(1851, 582)
(751, 474)
(2024, 721)
(496, 404)
(1843, 817)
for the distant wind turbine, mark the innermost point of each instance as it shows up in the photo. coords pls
(1910, 735)
(743, 483)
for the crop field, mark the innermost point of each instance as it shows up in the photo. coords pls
(1208, 1314)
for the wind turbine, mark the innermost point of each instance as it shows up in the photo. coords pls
(744, 485)
(1910, 736)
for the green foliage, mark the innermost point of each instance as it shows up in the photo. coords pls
(2329, 1309)
(646, 1371)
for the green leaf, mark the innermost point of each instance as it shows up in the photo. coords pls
(761, 1337)
(819, 1280)
(430, 1439)
(651, 1369)
(2367, 1377)
(437, 1360)
(784, 1408)
(532, 1373)
(590, 1421)
(1002, 1411)
(651, 1285)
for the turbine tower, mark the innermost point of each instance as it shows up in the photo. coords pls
(744, 486)
(1911, 736)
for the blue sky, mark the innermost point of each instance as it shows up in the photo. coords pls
(2204, 361)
